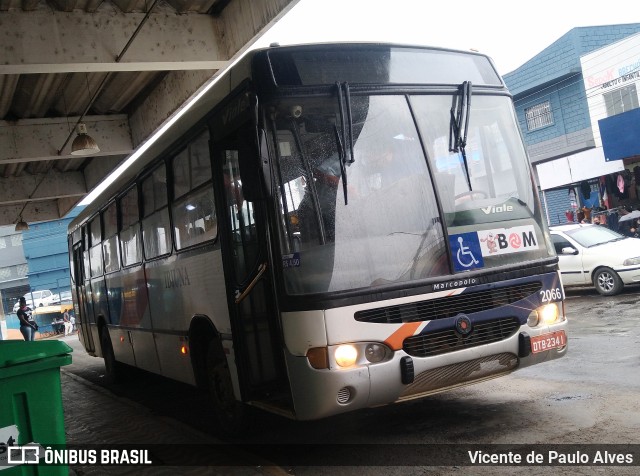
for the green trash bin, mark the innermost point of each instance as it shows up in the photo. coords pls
(31, 402)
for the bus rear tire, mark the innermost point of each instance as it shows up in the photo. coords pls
(114, 370)
(231, 415)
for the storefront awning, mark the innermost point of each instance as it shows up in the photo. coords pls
(620, 135)
(575, 168)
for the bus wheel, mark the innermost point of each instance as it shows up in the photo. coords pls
(114, 371)
(229, 412)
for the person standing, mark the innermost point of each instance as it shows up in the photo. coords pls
(72, 320)
(28, 326)
(67, 323)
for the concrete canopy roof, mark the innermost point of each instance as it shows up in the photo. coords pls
(121, 67)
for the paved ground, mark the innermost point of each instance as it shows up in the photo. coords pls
(95, 415)
(589, 397)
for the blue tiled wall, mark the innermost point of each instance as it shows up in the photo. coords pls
(568, 105)
(45, 248)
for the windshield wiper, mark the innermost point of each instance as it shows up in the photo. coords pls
(342, 160)
(460, 126)
(344, 96)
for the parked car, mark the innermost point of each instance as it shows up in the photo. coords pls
(594, 254)
(42, 297)
(62, 298)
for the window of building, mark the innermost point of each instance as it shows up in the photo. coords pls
(539, 116)
(16, 240)
(621, 100)
(156, 233)
(5, 273)
(22, 270)
(3, 242)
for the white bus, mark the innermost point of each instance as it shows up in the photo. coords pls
(331, 227)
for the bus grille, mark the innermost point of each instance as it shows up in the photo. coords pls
(441, 342)
(441, 308)
(451, 376)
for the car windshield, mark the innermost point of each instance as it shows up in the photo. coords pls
(594, 235)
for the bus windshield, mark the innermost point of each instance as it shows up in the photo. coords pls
(370, 217)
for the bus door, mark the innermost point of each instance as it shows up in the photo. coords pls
(82, 312)
(244, 246)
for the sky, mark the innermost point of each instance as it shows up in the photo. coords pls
(509, 31)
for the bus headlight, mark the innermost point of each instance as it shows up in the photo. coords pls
(346, 355)
(547, 314)
(534, 319)
(375, 353)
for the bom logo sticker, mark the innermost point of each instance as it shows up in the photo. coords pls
(507, 240)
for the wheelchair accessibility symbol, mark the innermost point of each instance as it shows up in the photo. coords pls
(466, 251)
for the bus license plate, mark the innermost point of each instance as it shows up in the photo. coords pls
(554, 340)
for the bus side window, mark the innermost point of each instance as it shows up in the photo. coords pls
(156, 233)
(193, 210)
(110, 244)
(130, 246)
(95, 252)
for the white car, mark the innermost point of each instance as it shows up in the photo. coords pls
(594, 254)
(34, 299)
(63, 297)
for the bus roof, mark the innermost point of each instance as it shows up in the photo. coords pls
(212, 92)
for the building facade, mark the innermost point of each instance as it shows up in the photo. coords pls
(47, 254)
(552, 102)
(14, 281)
(35, 259)
(612, 81)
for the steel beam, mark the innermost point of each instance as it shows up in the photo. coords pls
(31, 140)
(42, 42)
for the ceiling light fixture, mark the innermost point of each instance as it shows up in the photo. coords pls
(22, 225)
(83, 144)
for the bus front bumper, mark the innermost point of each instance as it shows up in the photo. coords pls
(326, 392)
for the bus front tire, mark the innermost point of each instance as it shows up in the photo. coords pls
(114, 370)
(232, 415)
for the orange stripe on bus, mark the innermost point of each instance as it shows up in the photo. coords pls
(395, 340)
